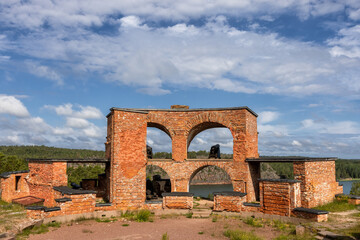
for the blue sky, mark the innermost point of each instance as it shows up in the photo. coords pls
(63, 64)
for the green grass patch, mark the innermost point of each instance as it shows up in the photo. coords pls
(106, 220)
(189, 215)
(295, 237)
(165, 236)
(143, 215)
(353, 231)
(43, 228)
(125, 225)
(201, 232)
(255, 222)
(214, 218)
(336, 206)
(240, 235)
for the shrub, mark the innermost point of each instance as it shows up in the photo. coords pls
(143, 215)
(253, 222)
(355, 188)
(165, 237)
(336, 206)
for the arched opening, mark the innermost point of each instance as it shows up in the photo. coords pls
(158, 142)
(157, 183)
(209, 179)
(210, 140)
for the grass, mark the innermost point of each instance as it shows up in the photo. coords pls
(214, 218)
(43, 228)
(354, 231)
(106, 220)
(189, 215)
(255, 222)
(125, 225)
(143, 216)
(240, 235)
(295, 237)
(165, 236)
(201, 232)
(87, 231)
(337, 206)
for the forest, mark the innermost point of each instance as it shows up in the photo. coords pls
(13, 158)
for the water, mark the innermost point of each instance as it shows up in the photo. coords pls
(347, 186)
(205, 190)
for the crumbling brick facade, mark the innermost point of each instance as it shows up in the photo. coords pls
(126, 143)
(124, 182)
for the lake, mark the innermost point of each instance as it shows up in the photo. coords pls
(347, 186)
(205, 190)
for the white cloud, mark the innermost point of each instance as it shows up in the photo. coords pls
(12, 106)
(331, 127)
(77, 122)
(268, 116)
(44, 72)
(296, 143)
(83, 112)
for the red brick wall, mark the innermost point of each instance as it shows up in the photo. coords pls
(318, 183)
(279, 198)
(7, 185)
(43, 176)
(229, 203)
(127, 139)
(178, 202)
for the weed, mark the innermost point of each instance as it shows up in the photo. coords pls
(253, 222)
(143, 215)
(125, 225)
(295, 237)
(54, 224)
(215, 218)
(337, 206)
(87, 231)
(189, 215)
(165, 236)
(240, 235)
(128, 215)
(201, 232)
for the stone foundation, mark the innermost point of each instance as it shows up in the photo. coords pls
(177, 200)
(229, 201)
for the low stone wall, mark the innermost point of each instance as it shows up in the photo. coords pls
(14, 185)
(229, 201)
(311, 214)
(177, 200)
(279, 196)
(354, 200)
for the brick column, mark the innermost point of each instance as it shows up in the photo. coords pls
(179, 146)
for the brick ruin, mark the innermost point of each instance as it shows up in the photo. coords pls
(123, 185)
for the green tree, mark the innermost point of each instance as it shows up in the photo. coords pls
(355, 188)
(11, 163)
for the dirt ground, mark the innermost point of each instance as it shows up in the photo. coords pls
(178, 227)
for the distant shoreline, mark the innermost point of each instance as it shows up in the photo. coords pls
(349, 179)
(206, 183)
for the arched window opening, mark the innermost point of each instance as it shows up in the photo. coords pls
(157, 183)
(158, 142)
(211, 143)
(209, 179)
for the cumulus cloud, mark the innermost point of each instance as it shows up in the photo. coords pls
(12, 106)
(268, 116)
(331, 127)
(44, 72)
(83, 112)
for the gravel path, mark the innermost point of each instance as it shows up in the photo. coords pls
(176, 228)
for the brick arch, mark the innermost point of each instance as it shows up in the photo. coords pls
(168, 169)
(204, 121)
(161, 127)
(197, 167)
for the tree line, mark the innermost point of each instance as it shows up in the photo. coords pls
(13, 158)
